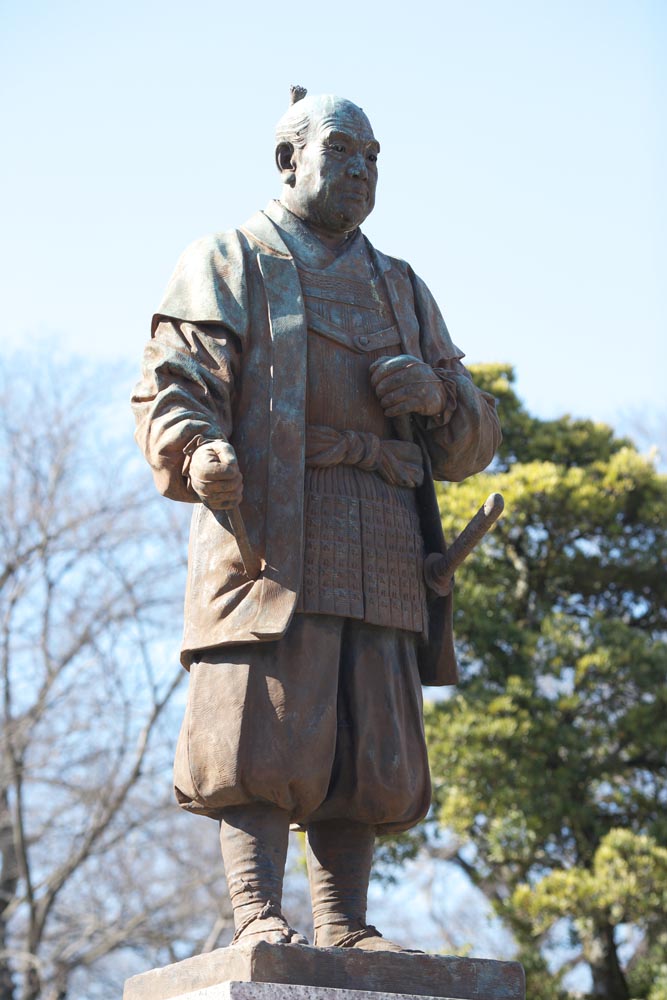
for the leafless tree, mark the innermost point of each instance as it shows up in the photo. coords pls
(99, 874)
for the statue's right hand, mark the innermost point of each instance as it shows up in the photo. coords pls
(215, 475)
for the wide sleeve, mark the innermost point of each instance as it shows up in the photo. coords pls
(463, 439)
(191, 367)
(185, 396)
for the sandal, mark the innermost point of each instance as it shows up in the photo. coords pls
(368, 938)
(273, 928)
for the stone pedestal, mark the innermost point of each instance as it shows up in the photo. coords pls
(296, 972)
(278, 991)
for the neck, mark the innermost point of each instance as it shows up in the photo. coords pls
(333, 241)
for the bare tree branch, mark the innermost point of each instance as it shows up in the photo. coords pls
(95, 859)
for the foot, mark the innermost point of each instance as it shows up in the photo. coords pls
(269, 925)
(365, 937)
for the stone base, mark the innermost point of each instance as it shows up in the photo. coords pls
(278, 991)
(277, 972)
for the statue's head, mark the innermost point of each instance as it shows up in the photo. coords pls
(327, 156)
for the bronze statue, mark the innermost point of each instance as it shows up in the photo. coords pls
(302, 391)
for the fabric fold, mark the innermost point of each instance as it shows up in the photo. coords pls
(398, 462)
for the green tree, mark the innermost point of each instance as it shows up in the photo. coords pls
(549, 762)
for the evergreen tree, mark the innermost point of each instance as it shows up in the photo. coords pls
(549, 762)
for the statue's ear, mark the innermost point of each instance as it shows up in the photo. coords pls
(285, 161)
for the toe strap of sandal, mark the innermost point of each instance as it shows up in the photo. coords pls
(275, 921)
(353, 937)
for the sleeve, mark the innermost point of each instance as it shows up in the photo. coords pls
(463, 439)
(185, 396)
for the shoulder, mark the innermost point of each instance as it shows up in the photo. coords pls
(388, 263)
(402, 271)
(209, 282)
(208, 251)
(437, 345)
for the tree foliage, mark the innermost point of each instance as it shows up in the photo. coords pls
(94, 864)
(550, 761)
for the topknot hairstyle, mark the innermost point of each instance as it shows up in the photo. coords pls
(294, 124)
(297, 93)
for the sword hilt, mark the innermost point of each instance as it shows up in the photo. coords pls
(251, 561)
(439, 568)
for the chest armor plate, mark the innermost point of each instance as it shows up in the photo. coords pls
(363, 552)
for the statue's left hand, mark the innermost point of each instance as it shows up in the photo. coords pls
(405, 384)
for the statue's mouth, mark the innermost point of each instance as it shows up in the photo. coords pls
(358, 194)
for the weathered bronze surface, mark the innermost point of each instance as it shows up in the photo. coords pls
(302, 391)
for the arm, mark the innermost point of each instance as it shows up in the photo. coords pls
(183, 401)
(458, 422)
(463, 438)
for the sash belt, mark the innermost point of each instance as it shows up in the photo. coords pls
(398, 462)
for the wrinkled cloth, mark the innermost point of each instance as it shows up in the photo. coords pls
(335, 731)
(398, 462)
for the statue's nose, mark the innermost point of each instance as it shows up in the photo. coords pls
(357, 166)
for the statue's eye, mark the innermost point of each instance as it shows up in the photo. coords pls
(337, 147)
(373, 157)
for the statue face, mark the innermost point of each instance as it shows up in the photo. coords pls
(335, 173)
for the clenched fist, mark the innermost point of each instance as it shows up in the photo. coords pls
(405, 384)
(215, 475)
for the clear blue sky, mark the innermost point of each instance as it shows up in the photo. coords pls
(522, 170)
